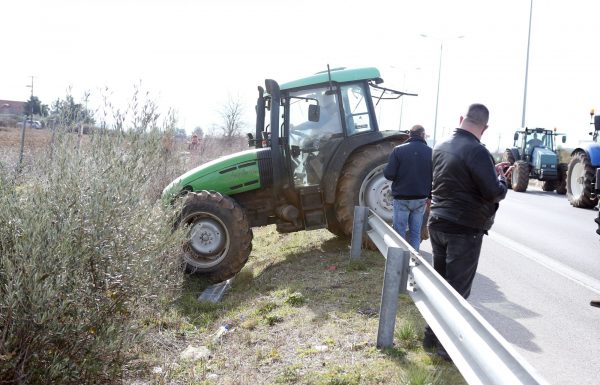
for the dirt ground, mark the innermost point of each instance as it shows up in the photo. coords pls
(10, 138)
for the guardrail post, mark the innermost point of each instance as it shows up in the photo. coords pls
(394, 281)
(359, 226)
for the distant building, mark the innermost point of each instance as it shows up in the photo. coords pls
(11, 107)
(11, 112)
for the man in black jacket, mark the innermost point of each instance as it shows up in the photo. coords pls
(409, 169)
(467, 189)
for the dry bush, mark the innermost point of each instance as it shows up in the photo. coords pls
(86, 251)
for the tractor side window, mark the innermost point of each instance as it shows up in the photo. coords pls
(355, 109)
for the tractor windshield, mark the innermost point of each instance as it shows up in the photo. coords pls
(539, 139)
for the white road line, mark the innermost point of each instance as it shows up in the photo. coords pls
(551, 264)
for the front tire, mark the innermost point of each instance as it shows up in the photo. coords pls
(580, 176)
(520, 176)
(219, 235)
(362, 184)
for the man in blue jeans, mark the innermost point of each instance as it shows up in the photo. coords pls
(410, 170)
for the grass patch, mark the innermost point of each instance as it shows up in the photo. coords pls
(295, 319)
(406, 335)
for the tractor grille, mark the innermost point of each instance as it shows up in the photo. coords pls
(265, 167)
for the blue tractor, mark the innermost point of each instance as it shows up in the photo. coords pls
(583, 170)
(534, 157)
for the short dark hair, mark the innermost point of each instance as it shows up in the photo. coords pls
(417, 131)
(478, 114)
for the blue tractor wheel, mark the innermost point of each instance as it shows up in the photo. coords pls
(580, 180)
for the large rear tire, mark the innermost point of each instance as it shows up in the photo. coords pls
(362, 183)
(580, 176)
(520, 176)
(219, 235)
(508, 157)
(333, 225)
(561, 188)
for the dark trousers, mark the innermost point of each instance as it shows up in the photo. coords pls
(455, 258)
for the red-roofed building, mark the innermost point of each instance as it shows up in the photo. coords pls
(11, 111)
(12, 107)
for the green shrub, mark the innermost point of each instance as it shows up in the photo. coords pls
(86, 251)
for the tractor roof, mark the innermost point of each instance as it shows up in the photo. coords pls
(538, 130)
(339, 75)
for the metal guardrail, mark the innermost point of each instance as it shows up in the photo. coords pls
(479, 352)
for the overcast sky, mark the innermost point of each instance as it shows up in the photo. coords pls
(193, 55)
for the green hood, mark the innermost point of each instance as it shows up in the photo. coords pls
(231, 174)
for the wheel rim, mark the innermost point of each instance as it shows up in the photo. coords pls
(208, 241)
(376, 194)
(576, 181)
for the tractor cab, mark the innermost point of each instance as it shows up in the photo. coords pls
(321, 120)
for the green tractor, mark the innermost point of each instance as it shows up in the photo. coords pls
(534, 156)
(321, 153)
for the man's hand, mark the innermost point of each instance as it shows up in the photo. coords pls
(501, 166)
(509, 171)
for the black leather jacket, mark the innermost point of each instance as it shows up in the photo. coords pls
(466, 189)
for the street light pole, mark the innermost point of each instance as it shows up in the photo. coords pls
(437, 97)
(527, 66)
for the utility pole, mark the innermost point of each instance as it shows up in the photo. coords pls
(31, 98)
(22, 146)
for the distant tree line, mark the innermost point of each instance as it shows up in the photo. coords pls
(64, 110)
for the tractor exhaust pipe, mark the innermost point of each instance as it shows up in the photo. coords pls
(276, 153)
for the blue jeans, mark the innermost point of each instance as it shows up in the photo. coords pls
(408, 214)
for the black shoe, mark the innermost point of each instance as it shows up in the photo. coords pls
(443, 354)
(430, 341)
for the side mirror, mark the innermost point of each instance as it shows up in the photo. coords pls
(516, 137)
(564, 139)
(597, 122)
(314, 112)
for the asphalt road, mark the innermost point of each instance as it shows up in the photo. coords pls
(539, 268)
